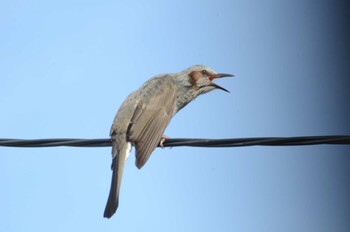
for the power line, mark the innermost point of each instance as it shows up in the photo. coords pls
(176, 142)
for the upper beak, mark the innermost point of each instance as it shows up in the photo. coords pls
(219, 75)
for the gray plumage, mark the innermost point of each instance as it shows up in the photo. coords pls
(142, 118)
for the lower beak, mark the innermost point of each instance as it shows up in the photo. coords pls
(219, 87)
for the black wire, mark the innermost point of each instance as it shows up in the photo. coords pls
(238, 142)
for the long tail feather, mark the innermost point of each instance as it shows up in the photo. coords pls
(117, 167)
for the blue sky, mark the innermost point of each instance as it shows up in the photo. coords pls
(66, 67)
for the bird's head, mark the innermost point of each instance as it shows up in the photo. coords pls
(201, 78)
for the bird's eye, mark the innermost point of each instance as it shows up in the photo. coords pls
(204, 72)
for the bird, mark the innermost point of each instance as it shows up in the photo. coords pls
(144, 115)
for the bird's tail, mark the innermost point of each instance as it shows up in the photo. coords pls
(117, 167)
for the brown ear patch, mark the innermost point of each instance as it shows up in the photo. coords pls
(194, 77)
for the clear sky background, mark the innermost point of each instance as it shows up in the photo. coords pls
(66, 66)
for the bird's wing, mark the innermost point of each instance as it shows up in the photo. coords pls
(149, 121)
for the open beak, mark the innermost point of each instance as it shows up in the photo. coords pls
(220, 75)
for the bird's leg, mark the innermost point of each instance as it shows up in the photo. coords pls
(164, 138)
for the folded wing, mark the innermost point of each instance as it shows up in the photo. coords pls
(151, 117)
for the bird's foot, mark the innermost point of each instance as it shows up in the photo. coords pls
(164, 138)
